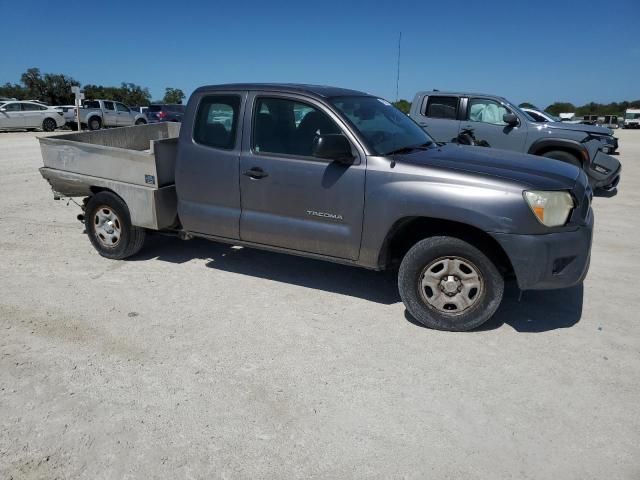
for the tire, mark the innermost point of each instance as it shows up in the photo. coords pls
(140, 122)
(108, 225)
(563, 157)
(49, 125)
(95, 123)
(449, 264)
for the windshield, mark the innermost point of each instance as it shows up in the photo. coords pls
(385, 128)
(632, 115)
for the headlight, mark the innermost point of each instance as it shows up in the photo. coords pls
(550, 208)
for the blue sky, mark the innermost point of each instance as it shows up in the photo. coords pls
(538, 51)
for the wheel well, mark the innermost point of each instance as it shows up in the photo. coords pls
(580, 157)
(408, 231)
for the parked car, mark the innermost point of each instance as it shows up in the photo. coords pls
(501, 125)
(97, 114)
(631, 118)
(607, 136)
(15, 115)
(456, 219)
(165, 113)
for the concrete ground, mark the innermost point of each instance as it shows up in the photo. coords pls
(197, 360)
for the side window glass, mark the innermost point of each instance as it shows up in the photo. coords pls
(217, 121)
(108, 106)
(486, 111)
(121, 108)
(12, 107)
(288, 127)
(28, 107)
(442, 107)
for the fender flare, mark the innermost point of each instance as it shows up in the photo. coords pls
(546, 144)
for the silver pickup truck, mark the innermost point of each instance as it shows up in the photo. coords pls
(337, 175)
(97, 114)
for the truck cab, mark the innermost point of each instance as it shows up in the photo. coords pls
(631, 118)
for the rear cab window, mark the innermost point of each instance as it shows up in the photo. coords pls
(216, 121)
(441, 107)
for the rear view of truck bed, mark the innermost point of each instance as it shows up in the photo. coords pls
(136, 163)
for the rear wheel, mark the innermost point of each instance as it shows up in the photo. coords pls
(448, 284)
(49, 125)
(563, 157)
(108, 225)
(95, 123)
(140, 122)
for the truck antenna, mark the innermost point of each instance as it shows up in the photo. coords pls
(398, 73)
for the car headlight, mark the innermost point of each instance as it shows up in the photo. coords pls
(550, 208)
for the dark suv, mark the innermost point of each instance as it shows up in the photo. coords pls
(165, 113)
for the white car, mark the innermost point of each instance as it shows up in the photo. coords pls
(16, 115)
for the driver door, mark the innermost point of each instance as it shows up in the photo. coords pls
(124, 117)
(289, 198)
(484, 119)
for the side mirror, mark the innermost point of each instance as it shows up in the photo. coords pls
(510, 119)
(333, 146)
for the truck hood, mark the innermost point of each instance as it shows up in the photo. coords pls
(576, 127)
(529, 170)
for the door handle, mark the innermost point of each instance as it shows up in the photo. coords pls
(256, 173)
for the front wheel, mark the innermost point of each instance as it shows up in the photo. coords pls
(108, 225)
(448, 284)
(95, 123)
(49, 125)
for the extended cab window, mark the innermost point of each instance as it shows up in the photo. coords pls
(109, 106)
(442, 107)
(121, 108)
(288, 127)
(486, 111)
(217, 121)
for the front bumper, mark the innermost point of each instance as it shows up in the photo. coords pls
(604, 172)
(554, 260)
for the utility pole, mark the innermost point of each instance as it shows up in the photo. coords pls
(398, 74)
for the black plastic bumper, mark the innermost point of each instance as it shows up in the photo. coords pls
(555, 260)
(604, 172)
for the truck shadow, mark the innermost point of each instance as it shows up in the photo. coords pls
(379, 287)
(537, 311)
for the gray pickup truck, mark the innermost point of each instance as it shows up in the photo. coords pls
(337, 175)
(495, 122)
(97, 114)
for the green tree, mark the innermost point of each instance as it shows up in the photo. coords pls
(528, 105)
(403, 105)
(127, 93)
(13, 90)
(52, 88)
(560, 107)
(173, 95)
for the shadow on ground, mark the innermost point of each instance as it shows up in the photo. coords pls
(536, 311)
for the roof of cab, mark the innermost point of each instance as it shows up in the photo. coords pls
(315, 90)
(445, 93)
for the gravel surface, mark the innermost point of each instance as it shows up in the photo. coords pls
(199, 360)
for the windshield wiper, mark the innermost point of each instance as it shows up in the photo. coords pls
(410, 148)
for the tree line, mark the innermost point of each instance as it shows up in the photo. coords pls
(55, 89)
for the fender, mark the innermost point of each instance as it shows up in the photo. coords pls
(547, 144)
